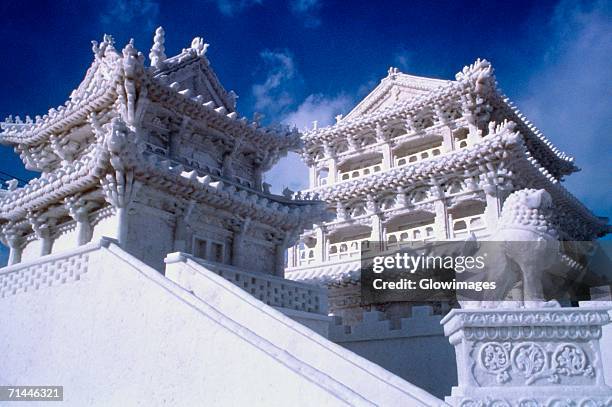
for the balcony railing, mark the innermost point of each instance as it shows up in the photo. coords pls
(306, 256)
(418, 156)
(360, 172)
(415, 234)
(346, 249)
(469, 224)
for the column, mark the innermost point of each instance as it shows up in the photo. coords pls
(385, 148)
(79, 211)
(119, 190)
(312, 176)
(14, 240)
(333, 171)
(257, 178)
(43, 228)
(238, 242)
(291, 256)
(387, 156)
(376, 224)
(441, 221)
(279, 264)
(447, 139)
(320, 247)
(493, 209)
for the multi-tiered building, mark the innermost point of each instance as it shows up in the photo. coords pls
(156, 157)
(423, 159)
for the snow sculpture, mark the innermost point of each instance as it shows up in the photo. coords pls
(526, 244)
(157, 54)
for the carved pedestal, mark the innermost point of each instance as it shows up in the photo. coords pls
(528, 357)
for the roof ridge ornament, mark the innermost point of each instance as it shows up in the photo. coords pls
(481, 72)
(199, 46)
(158, 51)
(392, 72)
(107, 44)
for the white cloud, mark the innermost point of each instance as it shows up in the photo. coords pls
(569, 96)
(318, 108)
(276, 97)
(291, 171)
(276, 92)
(144, 13)
(307, 11)
(232, 7)
(402, 59)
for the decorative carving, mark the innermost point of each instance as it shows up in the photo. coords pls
(570, 360)
(495, 358)
(157, 54)
(530, 360)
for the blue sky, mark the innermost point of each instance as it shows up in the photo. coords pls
(302, 60)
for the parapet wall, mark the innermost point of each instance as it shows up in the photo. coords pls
(414, 349)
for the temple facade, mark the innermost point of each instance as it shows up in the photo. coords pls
(156, 157)
(418, 160)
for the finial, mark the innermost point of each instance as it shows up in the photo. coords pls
(199, 46)
(392, 71)
(157, 54)
(315, 125)
(339, 117)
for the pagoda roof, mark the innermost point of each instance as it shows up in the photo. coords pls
(185, 83)
(433, 96)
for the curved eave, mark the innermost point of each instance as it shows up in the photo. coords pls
(268, 209)
(563, 163)
(43, 192)
(59, 123)
(264, 137)
(540, 178)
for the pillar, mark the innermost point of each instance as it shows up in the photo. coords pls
(312, 176)
(279, 264)
(377, 229)
(79, 211)
(447, 139)
(387, 154)
(257, 178)
(43, 228)
(14, 241)
(291, 256)
(441, 221)
(492, 210)
(238, 243)
(320, 247)
(333, 171)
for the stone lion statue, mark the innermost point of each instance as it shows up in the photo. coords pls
(528, 246)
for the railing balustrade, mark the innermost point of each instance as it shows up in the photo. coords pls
(418, 156)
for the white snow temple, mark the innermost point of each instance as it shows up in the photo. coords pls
(148, 259)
